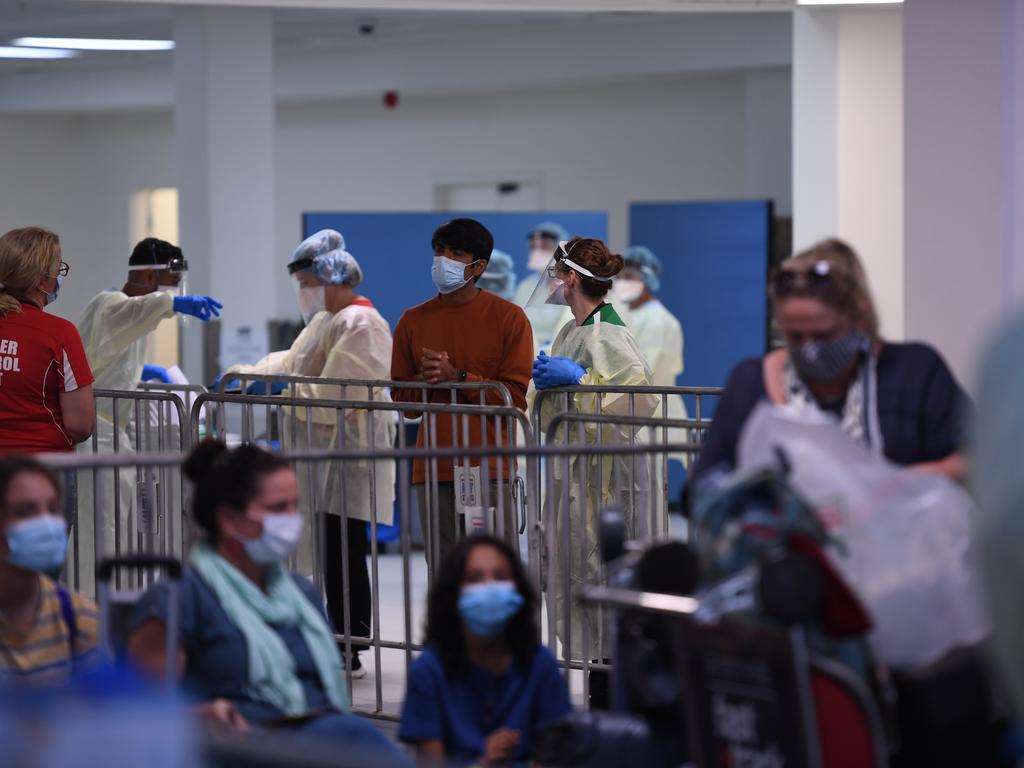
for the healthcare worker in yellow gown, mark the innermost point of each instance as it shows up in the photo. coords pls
(345, 338)
(115, 328)
(594, 348)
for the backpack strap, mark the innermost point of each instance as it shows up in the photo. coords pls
(773, 369)
(67, 610)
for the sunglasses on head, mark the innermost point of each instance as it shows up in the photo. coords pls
(819, 276)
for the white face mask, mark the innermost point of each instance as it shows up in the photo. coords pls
(539, 258)
(280, 538)
(311, 301)
(557, 295)
(627, 290)
(174, 290)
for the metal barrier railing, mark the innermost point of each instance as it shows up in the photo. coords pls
(454, 388)
(330, 488)
(550, 545)
(578, 486)
(114, 511)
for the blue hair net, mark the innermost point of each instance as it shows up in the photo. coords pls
(500, 275)
(646, 263)
(323, 254)
(549, 229)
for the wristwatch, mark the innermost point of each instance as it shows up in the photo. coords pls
(462, 375)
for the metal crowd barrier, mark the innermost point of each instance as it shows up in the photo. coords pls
(406, 643)
(578, 485)
(115, 512)
(288, 424)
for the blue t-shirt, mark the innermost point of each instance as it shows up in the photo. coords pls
(463, 712)
(218, 657)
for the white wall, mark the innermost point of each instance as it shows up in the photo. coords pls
(599, 147)
(848, 142)
(964, 171)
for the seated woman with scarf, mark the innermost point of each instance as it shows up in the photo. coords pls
(256, 649)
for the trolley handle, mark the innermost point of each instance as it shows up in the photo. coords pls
(106, 567)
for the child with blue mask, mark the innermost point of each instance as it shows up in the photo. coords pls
(484, 685)
(46, 632)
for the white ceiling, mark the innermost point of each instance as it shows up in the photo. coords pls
(298, 29)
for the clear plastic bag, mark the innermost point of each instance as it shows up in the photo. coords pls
(905, 538)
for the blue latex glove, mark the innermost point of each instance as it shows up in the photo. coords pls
(260, 388)
(203, 307)
(155, 373)
(556, 372)
(231, 384)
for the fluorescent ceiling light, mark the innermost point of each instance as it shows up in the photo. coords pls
(849, 2)
(95, 44)
(10, 52)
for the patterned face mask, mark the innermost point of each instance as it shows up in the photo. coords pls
(825, 360)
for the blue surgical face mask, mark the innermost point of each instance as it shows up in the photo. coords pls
(52, 297)
(280, 538)
(38, 543)
(448, 274)
(486, 608)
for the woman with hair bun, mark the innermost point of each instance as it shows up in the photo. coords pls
(595, 348)
(256, 648)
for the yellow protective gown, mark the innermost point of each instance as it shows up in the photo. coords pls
(609, 353)
(114, 327)
(660, 337)
(354, 343)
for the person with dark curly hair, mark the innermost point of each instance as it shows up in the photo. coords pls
(484, 685)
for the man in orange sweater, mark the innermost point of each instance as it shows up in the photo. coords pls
(462, 334)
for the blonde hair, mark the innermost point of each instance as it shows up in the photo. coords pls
(850, 293)
(26, 255)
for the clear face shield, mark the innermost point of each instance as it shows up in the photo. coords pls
(550, 290)
(310, 296)
(172, 277)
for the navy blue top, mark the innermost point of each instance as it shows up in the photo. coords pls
(922, 411)
(463, 712)
(218, 657)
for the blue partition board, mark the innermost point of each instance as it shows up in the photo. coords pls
(394, 248)
(715, 259)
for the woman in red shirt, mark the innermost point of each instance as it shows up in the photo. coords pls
(46, 401)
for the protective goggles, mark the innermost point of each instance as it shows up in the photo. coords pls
(300, 265)
(177, 265)
(562, 261)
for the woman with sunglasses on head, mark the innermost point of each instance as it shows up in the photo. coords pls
(46, 399)
(594, 348)
(901, 401)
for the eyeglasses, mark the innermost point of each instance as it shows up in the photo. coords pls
(555, 268)
(62, 270)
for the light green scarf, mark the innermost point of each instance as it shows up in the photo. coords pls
(271, 667)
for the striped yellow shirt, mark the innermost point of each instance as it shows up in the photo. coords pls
(43, 655)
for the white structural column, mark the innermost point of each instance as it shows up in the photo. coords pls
(224, 142)
(848, 142)
(964, 72)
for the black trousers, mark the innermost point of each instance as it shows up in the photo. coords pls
(358, 578)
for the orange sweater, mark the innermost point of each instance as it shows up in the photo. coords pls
(490, 339)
